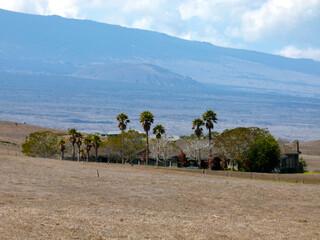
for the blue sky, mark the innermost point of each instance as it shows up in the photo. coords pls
(287, 27)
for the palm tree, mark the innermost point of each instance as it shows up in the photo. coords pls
(210, 117)
(123, 120)
(146, 119)
(78, 137)
(96, 142)
(87, 145)
(62, 148)
(196, 124)
(158, 130)
(73, 139)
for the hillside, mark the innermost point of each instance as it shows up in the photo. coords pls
(58, 45)
(64, 73)
(16, 132)
(310, 148)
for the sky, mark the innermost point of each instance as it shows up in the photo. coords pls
(286, 27)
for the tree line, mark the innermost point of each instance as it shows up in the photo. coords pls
(249, 149)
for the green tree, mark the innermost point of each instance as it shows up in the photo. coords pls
(87, 141)
(96, 142)
(41, 144)
(158, 131)
(72, 139)
(210, 117)
(197, 126)
(132, 145)
(263, 155)
(235, 143)
(146, 119)
(62, 148)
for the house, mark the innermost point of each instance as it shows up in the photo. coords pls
(289, 158)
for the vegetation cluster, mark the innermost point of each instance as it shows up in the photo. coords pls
(243, 149)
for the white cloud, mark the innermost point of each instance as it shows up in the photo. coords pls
(65, 8)
(195, 8)
(294, 52)
(211, 10)
(273, 16)
(144, 23)
(142, 5)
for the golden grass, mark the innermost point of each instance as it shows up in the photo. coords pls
(52, 199)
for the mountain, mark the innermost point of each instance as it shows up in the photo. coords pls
(52, 67)
(136, 73)
(55, 44)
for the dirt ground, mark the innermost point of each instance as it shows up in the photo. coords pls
(17, 132)
(53, 199)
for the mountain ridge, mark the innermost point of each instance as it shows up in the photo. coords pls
(206, 50)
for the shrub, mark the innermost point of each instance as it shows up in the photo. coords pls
(41, 144)
(214, 163)
(182, 159)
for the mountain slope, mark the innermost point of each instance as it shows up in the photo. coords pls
(141, 74)
(56, 38)
(55, 44)
(64, 73)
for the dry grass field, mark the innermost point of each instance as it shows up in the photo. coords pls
(313, 162)
(310, 148)
(52, 199)
(17, 132)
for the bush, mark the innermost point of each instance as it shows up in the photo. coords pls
(41, 144)
(263, 154)
(182, 160)
(215, 163)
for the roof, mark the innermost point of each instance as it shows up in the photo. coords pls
(288, 149)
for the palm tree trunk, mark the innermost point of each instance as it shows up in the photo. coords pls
(210, 142)
(158, 155)
(73, 151)
(122, 150)
(199, 154)
(78, 152)
(88, 152)
(147, 151)
(96, 153)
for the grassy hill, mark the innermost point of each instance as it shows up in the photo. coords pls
(16, 132)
